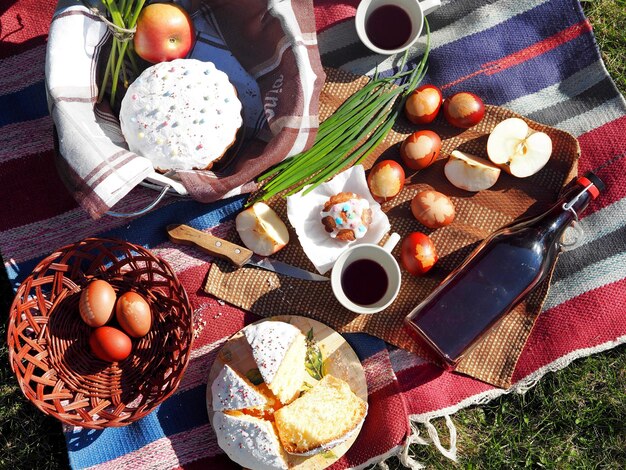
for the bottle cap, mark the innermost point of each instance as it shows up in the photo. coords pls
(596, 185)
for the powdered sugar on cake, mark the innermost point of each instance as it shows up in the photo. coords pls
(182, 114)
(249, 441)
(270, 341)
(232, 392)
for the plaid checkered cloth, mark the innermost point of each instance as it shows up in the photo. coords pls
(536, 57)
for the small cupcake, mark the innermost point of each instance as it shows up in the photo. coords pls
(346, 216)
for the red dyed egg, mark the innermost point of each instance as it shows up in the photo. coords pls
(110, 344)
(463, 109)
(385, 180)
(423, 104)
(420, 149)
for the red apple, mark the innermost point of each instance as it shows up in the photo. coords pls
(469, 172)
(518, 149)
(164, 32)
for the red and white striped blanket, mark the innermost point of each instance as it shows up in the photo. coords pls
(537, 57)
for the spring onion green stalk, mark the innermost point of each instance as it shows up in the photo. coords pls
(349, 135)
(123, 19)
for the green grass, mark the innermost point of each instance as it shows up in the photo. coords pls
(608, 18)
(574, 418)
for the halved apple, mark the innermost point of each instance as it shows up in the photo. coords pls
(261, 230)
(469, 172)
(518, 149)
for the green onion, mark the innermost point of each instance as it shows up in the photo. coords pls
(122, 21)
(348, 136)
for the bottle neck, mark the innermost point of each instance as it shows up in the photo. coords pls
(567, 210)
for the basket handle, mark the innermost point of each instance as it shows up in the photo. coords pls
(141, 211)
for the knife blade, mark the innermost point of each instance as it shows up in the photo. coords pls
(237, 255)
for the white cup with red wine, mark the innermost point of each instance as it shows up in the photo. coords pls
(366, 278)
(391, 26)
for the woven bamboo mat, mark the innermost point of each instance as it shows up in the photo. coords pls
(477, 214)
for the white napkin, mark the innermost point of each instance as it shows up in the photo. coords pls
(304, 211)
(94, 160)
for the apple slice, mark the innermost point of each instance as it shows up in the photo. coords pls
(261, 230)
(469, 172)
(517, 148)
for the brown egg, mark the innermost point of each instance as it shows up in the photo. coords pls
(133, 314)
(97, 301)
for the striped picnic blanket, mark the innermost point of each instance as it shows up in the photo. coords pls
(536, 57)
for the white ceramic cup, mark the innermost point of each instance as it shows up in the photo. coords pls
(381, 255)
(415, 9)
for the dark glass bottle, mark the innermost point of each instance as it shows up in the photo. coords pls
(496, 276)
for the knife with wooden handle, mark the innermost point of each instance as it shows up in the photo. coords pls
(237, 255)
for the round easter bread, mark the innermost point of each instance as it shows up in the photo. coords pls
(346, 216)
(279, 350)
(181, 115)
(231, 391)
(251, 442)
(324, 413)
(322, 418)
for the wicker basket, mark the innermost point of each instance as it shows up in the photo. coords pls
(49, 343)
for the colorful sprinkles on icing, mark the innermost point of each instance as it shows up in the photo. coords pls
(231, 391)
(169, 117)
(348, 216)
(249, 441)
(269, 342)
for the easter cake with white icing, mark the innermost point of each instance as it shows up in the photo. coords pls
(181, 115)
(279, 350)
(250, 441)
(231, 391)
(268, 412)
